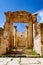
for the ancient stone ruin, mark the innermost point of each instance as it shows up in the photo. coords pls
(31, 38)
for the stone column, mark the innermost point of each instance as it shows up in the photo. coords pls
(26, 33)
(35, 29)
(14, 36)
(30, 34)
(11, 35)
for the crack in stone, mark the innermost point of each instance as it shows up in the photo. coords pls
(9, 61)
(20, 61)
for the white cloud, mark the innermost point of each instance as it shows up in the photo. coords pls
(40, 13)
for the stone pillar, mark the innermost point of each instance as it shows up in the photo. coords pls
(33, 32)
(14, 36)
(35, 29)
(30, 34)
(11, 35)
(26, 36)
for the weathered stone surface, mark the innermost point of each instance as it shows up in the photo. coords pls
(21, 61)
(37, 44)
(38, 39)
(34, 36)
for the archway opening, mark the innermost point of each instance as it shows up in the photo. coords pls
(20, 34)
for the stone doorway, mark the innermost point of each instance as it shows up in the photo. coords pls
(20, 17)
(21, 35)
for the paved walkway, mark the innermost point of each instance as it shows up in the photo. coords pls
(21, 61)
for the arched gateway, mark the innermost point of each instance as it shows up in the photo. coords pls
(22, 17)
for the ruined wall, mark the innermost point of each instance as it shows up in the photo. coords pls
(41, 26)
(37, 44)
(21, 39)
(2, 44)
(41, 33)
(2, 47)
(38, 39)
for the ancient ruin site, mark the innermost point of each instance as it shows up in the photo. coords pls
(21, 44)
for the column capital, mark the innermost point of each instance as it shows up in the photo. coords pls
(27, 27)
(15, 26)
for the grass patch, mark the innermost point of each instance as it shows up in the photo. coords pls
(33, 53)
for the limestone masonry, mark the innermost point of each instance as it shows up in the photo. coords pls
(32, 37)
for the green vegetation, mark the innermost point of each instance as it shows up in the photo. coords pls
(33, 53)
(30, 51)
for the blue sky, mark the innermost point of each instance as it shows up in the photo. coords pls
(31, 6)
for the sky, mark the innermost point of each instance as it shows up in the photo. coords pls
(31, 6)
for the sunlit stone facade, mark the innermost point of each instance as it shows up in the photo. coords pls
(33, 33)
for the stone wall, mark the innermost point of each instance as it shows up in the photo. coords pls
(41, 26)
(2, 49)
(21, 39)
(4, 46)
(41, 33)
(37, 44)
(38, 39)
